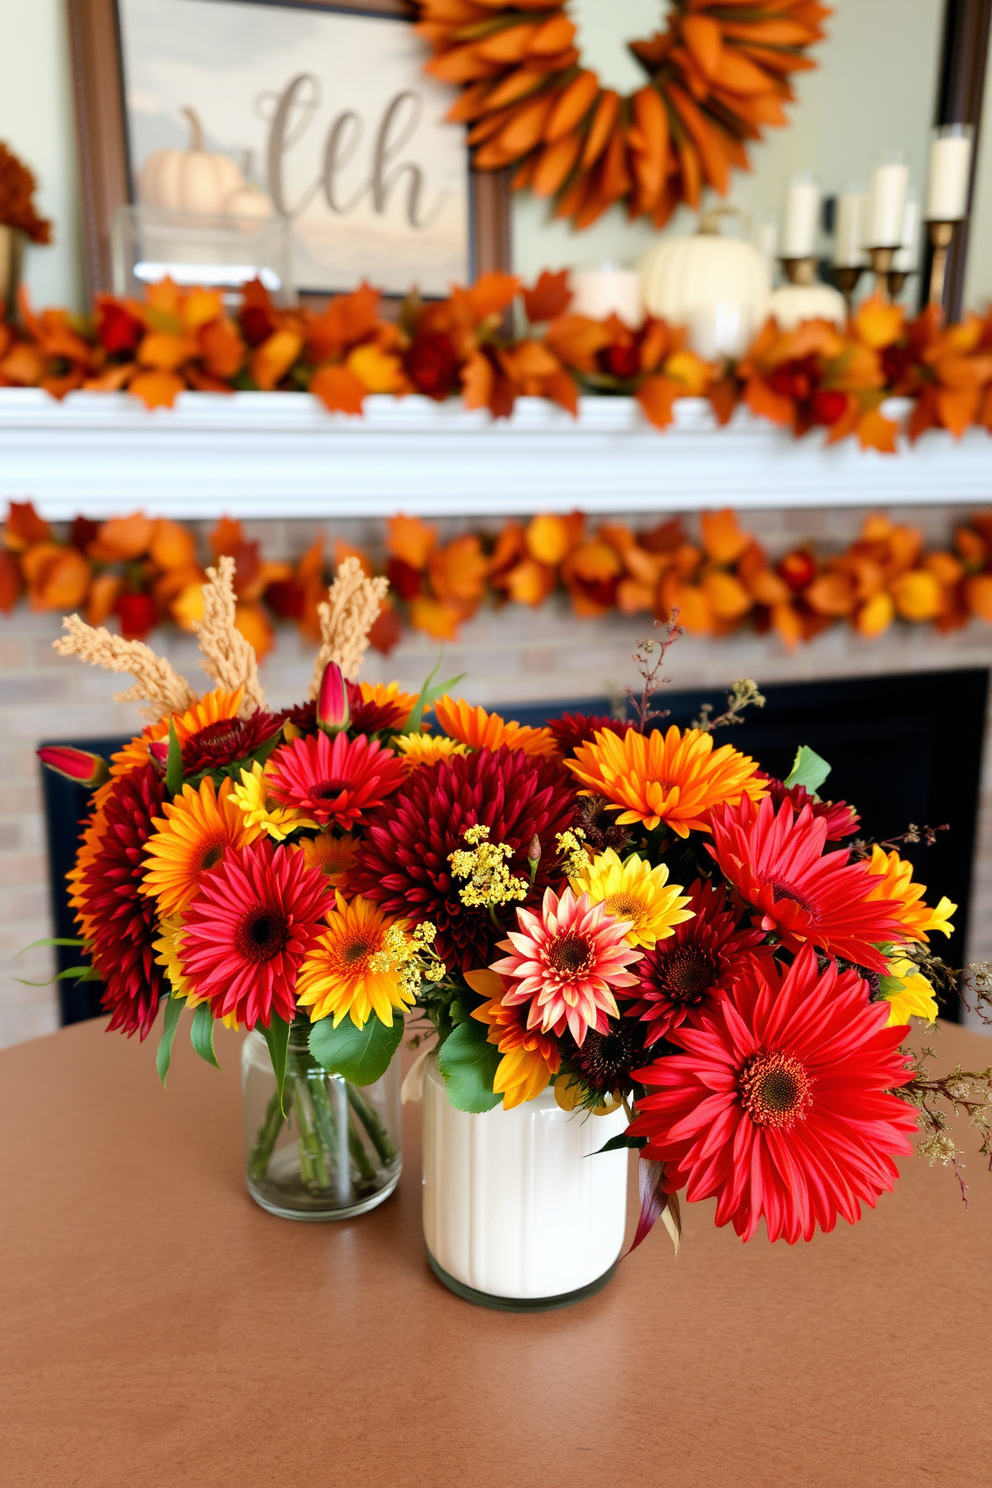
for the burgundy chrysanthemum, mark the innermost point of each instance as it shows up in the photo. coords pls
(369, 716)
(404, 865)
(303, 717)
(335, 781)
(686, 972)
(598, 820)
(222, 742)
(606, 1061)
(572, 729)
(780, 1105)
(258, 913)
(842, 820)
(121, 921)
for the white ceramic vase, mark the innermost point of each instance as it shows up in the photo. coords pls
(521, 1209)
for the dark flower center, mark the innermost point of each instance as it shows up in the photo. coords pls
(605, 1060)
(686, 973)
(600, 825)
(327, 790)
(357, 950)
(261, 934)
(213, 855)
(225, 731)
(569, 954)
(782, 890)
(775, 1089)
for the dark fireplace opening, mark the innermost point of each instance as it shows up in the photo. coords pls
(904, 748)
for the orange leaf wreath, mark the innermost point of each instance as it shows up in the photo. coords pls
(715, 76)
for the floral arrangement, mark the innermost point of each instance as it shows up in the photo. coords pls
(144, 572)
(816, 376)
(17, 207)
(626, 912)
(715, 78)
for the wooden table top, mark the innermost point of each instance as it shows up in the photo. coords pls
(160, 1329)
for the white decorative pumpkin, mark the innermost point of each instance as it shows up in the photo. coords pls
(247, 205)
(794, 303)
(718, 287)
(192, 180)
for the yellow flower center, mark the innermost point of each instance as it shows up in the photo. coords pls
(624, 906)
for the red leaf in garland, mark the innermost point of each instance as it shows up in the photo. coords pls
(550, 297)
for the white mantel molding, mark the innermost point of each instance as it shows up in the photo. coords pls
(283, 455)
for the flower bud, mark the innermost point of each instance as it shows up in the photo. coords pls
(534, 856)
(333, 712)
(158, 752)
(87, 770)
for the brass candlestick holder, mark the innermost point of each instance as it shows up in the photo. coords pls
(799, 270)
(941, 236)
(847, 277)
(881, 265)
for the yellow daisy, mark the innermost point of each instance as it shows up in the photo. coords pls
(894, 880)
(907, 992)
(332, 855)
(633, 890)
(351, 971)
(261, 811)
(424, 749)
(169, 946)
(198, 827)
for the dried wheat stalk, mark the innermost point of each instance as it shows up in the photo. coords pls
(155, 680)
(346, 617)
(227, 657)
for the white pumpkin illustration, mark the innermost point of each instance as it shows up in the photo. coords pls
(190, 180)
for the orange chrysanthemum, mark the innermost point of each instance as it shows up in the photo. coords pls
(216, 707)
(481, 730)
(88, 849)
(332, 855)
(674, 777)
(530, 1057)
(894, 880)
(198, 827)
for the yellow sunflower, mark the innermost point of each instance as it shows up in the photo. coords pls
(261, 811)
(424, 749)
(332, 855)
(351, 972)
(198, 826)
(894, 880)
(481, 730)
(632, 890)
(169, 946)
(674, 777)
(907, 992)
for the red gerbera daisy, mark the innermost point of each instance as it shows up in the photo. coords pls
(119, 921)
(572, 729)
(339, 780)
(684, 974)
(257, 915)
(780, 1105)
(404, 865)
(842, 820)
(776, 864)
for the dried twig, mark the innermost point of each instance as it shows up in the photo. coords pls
(227, 657)
(156, 682)
(346, 617)
(650, 659)
(743, 694)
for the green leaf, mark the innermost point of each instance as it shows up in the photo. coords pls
(468, 1062)
(615, 1143)
(163, 1056)
(201, 1033)
(53, 941)
(809, 770)
(361, 1055)
(277, 1038)
(429, 693)
(174, 764)
(72, 973)
(261, 754)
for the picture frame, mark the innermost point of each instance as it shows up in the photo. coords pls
(107, 175)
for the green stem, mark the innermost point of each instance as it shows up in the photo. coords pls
(313, 1168)
(359, 1156)
(370, 1120)
(258, 1162)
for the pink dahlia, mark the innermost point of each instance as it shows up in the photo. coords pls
(566, 962)
(337, 780)
(405, 862)
(684, 974)
(781, 1104)
(776, 863)
(258, 913)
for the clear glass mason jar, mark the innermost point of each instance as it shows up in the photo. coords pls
(522, 1211)
(336, 1153)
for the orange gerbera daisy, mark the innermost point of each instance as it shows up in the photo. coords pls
(427, 749)
(352, 969)
(388, 695)
(332, 855)
(530, 1057)
(198, 827)
(674, 777)
(481, 730)
(894, 880)
(216, 707)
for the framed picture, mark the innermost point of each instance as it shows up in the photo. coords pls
(321, 111)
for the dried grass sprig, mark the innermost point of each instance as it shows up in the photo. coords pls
(156, 682)
(227, 657)
(346, 617)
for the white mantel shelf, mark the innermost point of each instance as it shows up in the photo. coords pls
(283, 455)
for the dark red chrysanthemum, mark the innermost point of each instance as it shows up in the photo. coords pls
(302, 717)
(777, 864)
(258, 913)
(227, 740)
(120, 920)
(598, 819)
(842, 820)
(404, 865)
(688, 970)
(335, 781)
(605, 1063)
(376, 715)
(572, 729)
(780, 1104)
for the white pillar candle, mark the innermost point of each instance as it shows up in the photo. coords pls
(852, 223)
(887, 205)
(906, 254)
(607, 291)
(950, 171)
(802, 215)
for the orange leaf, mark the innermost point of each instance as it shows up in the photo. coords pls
(478, 379)
(832, 593)
(387, 630)
(434, 619)
(164, 352)
(531, 582)
(657, 396)
(876, 615)
(728, 598)
(575, 340)
(102, 597)
(269, 363)
(722, 537)
(157, 389)
(343, 550)
(411, 540)
(256, 627)
(788, 625)
(171, 546)
(10, 582)
(493, 293)
(978, 596)
(549, 298)
(62, 583)
(957, 410)
(458, 571)
(339, 390)
(376, 370)
(875, 431)
(24, 527)
(122, 539)
(917, 595)
(221, 348)
(24, 366)
(548, 539)
(595, 561)
(879, 324)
